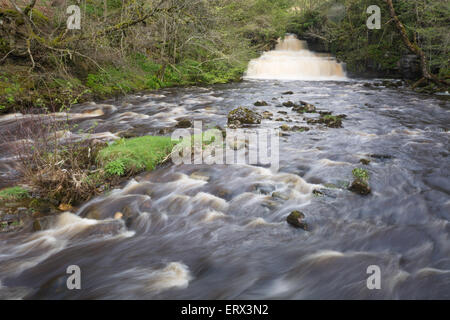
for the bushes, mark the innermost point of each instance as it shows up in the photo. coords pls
(70, 171)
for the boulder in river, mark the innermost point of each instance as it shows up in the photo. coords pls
(261, 103)
(267, 115)
(288, 93)
(243, 115)
(331, 121)
(184, 123)
(290, 104)
(360, 186)
(296, 219)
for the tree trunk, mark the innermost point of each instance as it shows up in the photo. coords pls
(413, 47)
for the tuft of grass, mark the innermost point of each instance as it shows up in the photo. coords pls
(130, 156)
(361, 174)
(14, 193)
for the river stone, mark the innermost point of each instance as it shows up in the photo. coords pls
(285, 127)
(296, 219)
(290, 104)
(184, 123)
(43, 223)
(198, 175)
(360, 186)
(300, 129)
(244, 116)
(288, 93)
(279, 195)
(264, 188)
(267, 115)
(261, 104)
(365, 161)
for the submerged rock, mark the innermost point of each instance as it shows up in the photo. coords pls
(279, 195)
(296, 219)
(288, 93)
(243, 115)
(44, 223)
(264, 188)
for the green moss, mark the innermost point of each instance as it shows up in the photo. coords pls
(14, 193)
(361, 174)
(129, 156)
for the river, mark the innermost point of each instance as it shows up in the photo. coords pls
(218, 233)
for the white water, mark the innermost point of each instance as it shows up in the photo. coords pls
(291, 60)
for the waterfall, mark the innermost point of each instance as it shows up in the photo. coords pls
(291, 60)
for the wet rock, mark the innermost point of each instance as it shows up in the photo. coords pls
(282, 112)
(307, 107)
(110, 228)
(234, 124)
(296, 219)
(325, 193)
(279, 119)
(199, 176)
(43, 223)
(264, 188)
(381, 156)
(261, 104)
(317, 193)
(331, 121)
(65, 207)
(184, 123)
(285, 127)
(365, 161)
(279, 195)
(164, 131)
(325, 113)
(288, 93)
(270, 204)
(360, 186)
(300, 129)
(244, 116)
(289, 104)
(267, 115)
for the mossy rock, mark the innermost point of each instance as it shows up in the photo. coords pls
(360, 186)
(261, 104)
(331, 121)
(243, 115)
(296, 219)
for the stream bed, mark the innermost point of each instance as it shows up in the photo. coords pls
(216, 231)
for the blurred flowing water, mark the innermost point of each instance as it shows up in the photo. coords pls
(215, 232)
